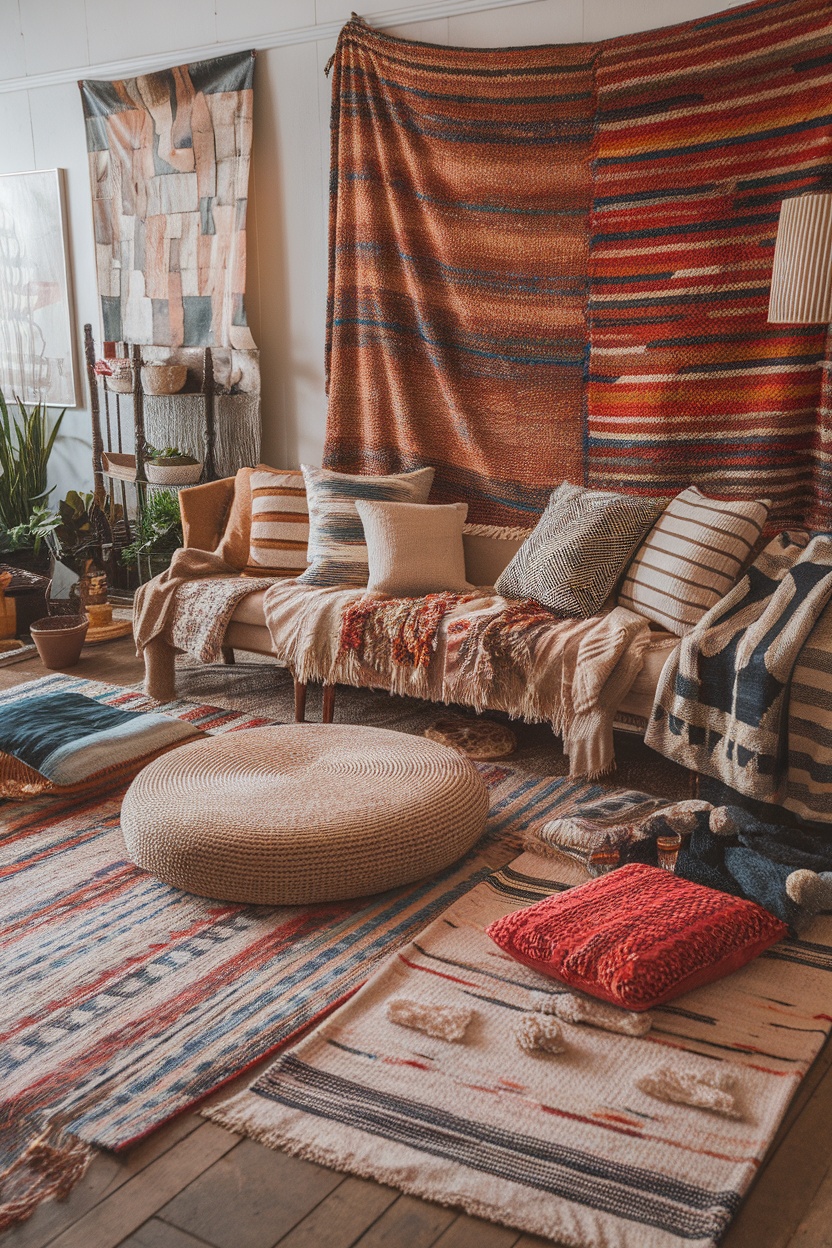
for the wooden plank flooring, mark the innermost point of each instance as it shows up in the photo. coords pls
(193, 1185)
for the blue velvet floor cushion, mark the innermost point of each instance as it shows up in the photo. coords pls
(65, 742)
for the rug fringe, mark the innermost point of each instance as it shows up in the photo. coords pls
(236, 1116)
(49, 1168)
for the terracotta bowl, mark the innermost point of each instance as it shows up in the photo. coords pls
(59, 639)
(163, 378)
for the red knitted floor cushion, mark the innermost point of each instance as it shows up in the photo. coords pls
(638, 936)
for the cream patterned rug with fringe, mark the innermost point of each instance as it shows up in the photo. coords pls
(563, 1145)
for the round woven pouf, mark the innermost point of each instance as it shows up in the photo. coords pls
(303, 813)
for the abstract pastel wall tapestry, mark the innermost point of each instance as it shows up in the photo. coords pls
(169, 157)
(553, 263)
(36, 327)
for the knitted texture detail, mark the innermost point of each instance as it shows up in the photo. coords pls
(638, 936)
(536, 1033)
(443, 1022)
(715, 1092)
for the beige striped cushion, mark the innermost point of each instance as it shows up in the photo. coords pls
(279, 524)
(692, 556)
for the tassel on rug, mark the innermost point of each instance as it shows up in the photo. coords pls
(538, 1034)
(443, 1022)
(48, 1169)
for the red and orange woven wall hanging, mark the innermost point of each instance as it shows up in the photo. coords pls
(554, 262)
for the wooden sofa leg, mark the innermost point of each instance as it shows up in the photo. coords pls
(300, 702)
(228, 655)
(328, 704)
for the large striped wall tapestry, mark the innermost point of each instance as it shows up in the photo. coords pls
(553, 263)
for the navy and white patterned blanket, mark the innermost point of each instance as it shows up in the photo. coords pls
(722, 705)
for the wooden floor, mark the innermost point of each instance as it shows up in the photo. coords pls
(192, 1184)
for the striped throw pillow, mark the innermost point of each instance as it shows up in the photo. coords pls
(695, 552)
(279, 524)
(337, 548)
(573, 558)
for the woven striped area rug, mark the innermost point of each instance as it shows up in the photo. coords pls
(564, 1146)
(126, 1001)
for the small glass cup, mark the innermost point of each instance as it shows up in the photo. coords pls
(667, 848)
(606, 858)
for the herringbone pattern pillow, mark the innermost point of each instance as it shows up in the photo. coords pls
(581, 545)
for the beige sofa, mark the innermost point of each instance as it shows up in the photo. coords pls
(208, 516)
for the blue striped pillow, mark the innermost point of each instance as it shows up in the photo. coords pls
(337, 551)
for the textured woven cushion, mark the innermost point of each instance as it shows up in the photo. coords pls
(693, 555)
(414, 548)
(337, 550)
(65, 742)
(583, 541)
(279, 532)
(303, 813)
(638, 936)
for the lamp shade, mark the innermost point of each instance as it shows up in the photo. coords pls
(801, 279)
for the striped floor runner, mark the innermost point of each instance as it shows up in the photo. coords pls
(126, 1001)
(563, 1146)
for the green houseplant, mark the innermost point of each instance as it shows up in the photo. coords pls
(170, 466)
(170, 455)
(82, 546)
(83, 534)
(29, 536)
(157, 534)
(26, 442)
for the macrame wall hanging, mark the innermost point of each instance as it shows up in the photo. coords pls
(169, 157)
(553, 263)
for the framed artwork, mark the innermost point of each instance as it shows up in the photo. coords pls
(37, 359)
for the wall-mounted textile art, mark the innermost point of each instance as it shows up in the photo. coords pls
(36, 328)
(554, 262)
(169, 157)
(459, 240)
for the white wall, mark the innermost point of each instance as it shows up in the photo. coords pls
(41, 126)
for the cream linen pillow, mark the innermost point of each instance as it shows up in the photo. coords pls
(414, 548)
(694, 553)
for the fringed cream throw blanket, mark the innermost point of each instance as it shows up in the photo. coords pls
(494, 653)
(478, 650)
(722, 706)
(520, 658)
